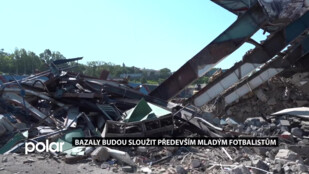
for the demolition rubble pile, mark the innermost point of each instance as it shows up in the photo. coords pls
(277, 94)
(63, 105)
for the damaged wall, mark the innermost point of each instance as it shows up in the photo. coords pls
(277, 94)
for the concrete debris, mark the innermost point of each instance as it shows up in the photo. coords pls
(272, 101)
(57, 106)
(260, 165)
(101, 115)
(121, 156)
(240, 170)
(195, 163)
(284, 123)
(261, 95)
(146, 170)
(105, 165)
(180, 170)
(269, 98)
(100, 154)
(283, 9)
(287, 155)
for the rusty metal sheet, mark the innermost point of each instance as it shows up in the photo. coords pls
(41, 95)
(81, 95)
(12, 97)
(132, 94)
(104, 75)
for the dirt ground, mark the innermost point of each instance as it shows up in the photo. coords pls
(38, 164)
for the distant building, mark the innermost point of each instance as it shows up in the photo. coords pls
(132, 76)
(154, 72)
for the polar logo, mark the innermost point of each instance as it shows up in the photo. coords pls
(43, 147)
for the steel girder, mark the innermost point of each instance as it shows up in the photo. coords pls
(226, 43)
(236, 6)
(252, 60)
(276, 66)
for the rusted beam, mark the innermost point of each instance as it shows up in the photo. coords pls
(82, 95)
(268, 71)
(226, 43)
(236, 6)
(252, 60)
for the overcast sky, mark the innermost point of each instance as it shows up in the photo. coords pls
(144, 33)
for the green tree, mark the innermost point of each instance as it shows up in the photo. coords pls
(165, 73)
(143, 80)
(202, 80)
(46, 56)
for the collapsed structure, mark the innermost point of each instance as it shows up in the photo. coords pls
(243, 101)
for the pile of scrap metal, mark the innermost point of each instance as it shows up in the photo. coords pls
(65, 105)
(57, 105)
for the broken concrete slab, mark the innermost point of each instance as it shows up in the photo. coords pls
(261, 95)
(121, 156)
(284, 122)
(100, 154)
(272, 101)
(287, 155)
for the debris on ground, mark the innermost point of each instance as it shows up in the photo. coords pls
(262, 98)
(70, 105)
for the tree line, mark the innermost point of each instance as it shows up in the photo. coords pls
(22, 62)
